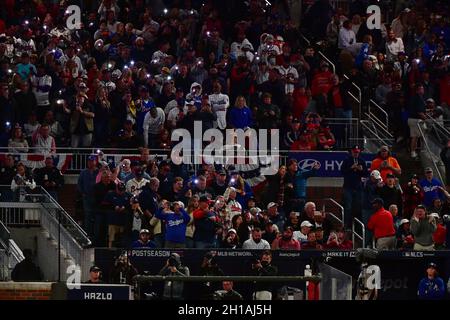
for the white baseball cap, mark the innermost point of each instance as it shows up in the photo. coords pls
(403, 221)
(306, 223)
(272, 204)
(232, 230)
(376, 174)
(435, 215)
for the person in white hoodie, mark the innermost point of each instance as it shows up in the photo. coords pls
(153, 124)
(236, 46)
(219, 103)
(195, 94)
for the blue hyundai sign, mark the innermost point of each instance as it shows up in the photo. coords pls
(330, 161)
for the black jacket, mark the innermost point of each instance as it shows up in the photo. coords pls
(26, 271)
(266, 271)
(43, 175)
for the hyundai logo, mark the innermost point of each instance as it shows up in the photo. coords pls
(307, 164)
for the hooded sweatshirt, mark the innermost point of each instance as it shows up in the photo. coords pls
(196, 96)
(174, 289)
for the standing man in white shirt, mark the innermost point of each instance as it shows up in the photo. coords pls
(347, 36)
(219, 103)
(256, 242)
(42, 83)
(153, 124)
(394, 46)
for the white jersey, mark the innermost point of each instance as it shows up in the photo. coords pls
(134, 187)
(250, 244)
(290, 71)
(220, 103)
(41, 96)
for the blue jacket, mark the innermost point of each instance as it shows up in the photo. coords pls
(175, 224)
(352, 179)
(115, 199)
(241, 118)
(431, 191)
(86, 181)
(431, 289)
(139, 244)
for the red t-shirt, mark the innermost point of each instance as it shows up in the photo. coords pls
(381, 223)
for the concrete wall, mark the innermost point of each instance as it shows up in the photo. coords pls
(25, 290)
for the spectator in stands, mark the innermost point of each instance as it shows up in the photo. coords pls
(7, 173)
(268, 114)
(173, 290)
(119, 201)
(262, 267)
(240, 115)
(385, 163)
(302, 235)
(439, 236)
(371, 191)
(381, 223)
(405, 238)
(86, 182)
(144, 240)
(347, 36)
(432, 286)
(231, 240)
(422, 228)
(22, 183)
(219, 185)
(135, 185)
(394, 45)
(49, 177)
(416, 113)
(256, 242)
(43, 142)
(431, 188)
(204, 221)
(413, 196)
(391, 194)
(125, 173)
(152, 126)
(81, 121)
(138, 220)
(27, 270)
(176, 220)
(286, 241)
(17, 143)
(353, 168)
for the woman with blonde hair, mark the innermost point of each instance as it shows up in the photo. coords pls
(103, 116)
(17, 143)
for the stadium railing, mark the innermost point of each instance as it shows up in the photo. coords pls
(40, 209)
(431, 151)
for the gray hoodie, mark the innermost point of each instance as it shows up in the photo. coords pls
(423, 231)
(174, 289)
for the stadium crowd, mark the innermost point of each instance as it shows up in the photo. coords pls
(134, 72)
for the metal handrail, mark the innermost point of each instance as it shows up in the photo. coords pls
(15, 251)
(379, 125)
(429, 150)
(342, 219)
(359, 99)
(378, 138)
(67, 216)
(354, 233)
(439, 127)
(327, 60)
(382, 111)
(145, 278)
(5, 235)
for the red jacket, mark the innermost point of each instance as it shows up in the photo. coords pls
(440, 234)
(279, 243)
(381, 223)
